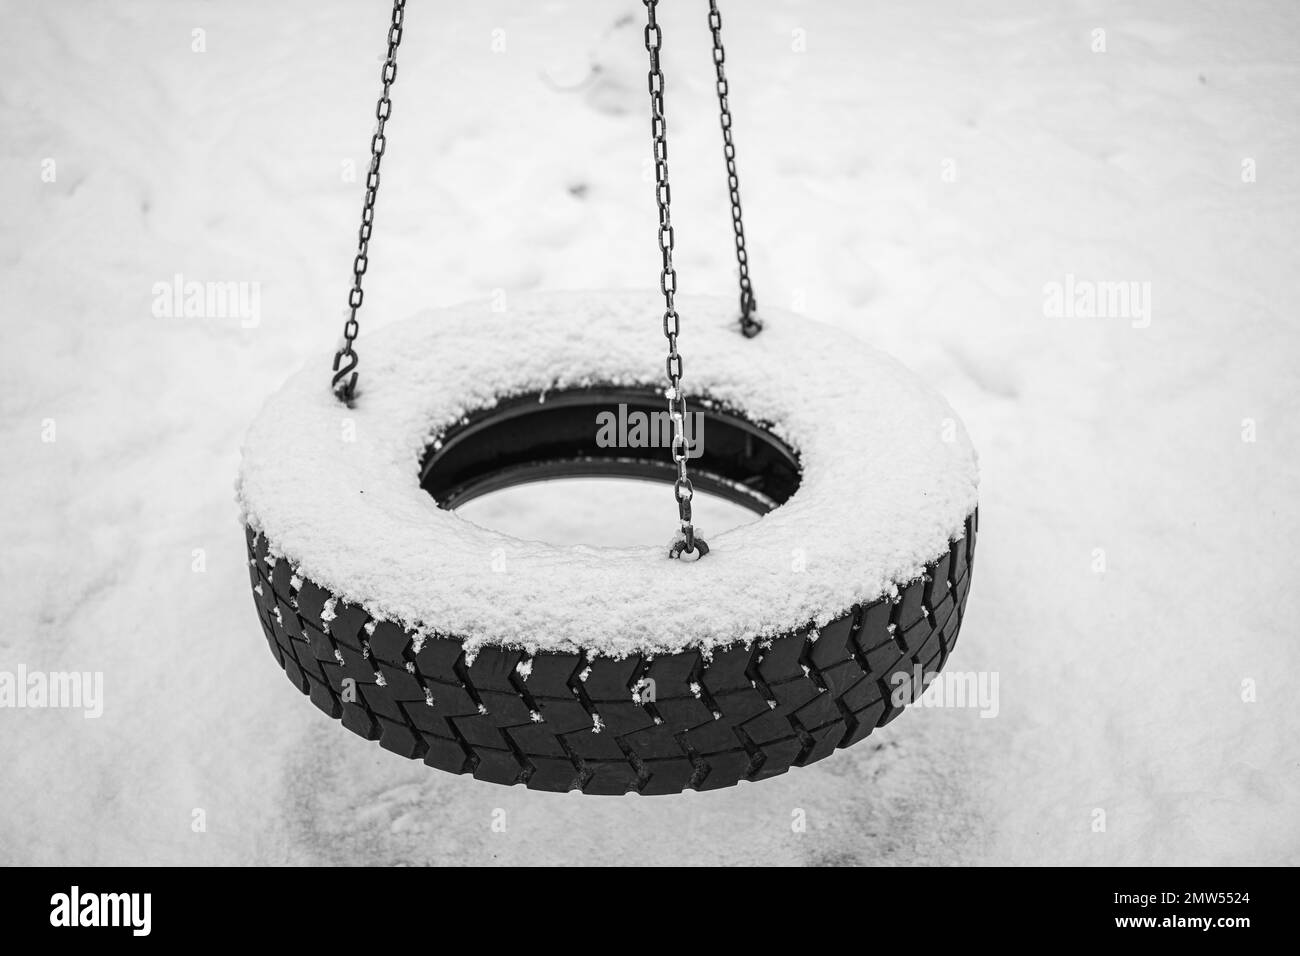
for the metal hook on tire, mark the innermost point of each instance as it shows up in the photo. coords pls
(688, 544)
(345, 389)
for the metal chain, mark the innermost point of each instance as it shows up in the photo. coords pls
(749, 325)
(683, 490)
(345, 359)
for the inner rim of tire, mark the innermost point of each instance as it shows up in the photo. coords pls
(534, 437)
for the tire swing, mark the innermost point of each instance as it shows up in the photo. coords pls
(609, 670)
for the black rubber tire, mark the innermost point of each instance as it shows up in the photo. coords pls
(748, 713)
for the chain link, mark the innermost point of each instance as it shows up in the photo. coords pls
(683, 490)
(749, 324)
(345, 359)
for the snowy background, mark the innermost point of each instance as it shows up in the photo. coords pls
(916, 173)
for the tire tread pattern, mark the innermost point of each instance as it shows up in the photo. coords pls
(561, 722)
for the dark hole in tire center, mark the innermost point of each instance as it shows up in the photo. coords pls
(525, 439)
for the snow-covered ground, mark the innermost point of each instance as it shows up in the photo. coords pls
(918, 173)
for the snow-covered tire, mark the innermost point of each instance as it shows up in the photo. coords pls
(609, 670)
(747, 713)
